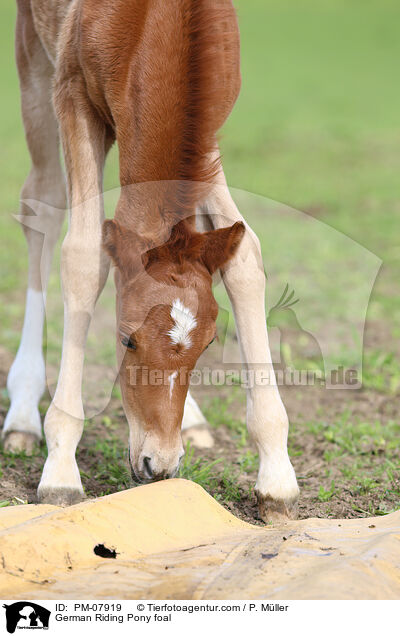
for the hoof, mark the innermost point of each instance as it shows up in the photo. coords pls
(275, 511)
(19, 442)
(198, 436)
(60, 496)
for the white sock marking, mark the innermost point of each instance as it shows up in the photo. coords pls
(26, 379)
(185, 322)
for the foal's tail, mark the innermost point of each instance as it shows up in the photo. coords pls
(190, 79)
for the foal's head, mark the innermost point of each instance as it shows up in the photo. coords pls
(166, 318)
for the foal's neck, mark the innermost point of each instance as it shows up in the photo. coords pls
(151, 210)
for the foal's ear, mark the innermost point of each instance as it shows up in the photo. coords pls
(123, 246)
(220, 245)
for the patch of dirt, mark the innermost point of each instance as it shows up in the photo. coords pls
(102, 454)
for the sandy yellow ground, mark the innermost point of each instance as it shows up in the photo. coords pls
(172, 540)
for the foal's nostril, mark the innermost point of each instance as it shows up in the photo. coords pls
(147, 467)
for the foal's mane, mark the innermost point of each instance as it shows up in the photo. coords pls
(188, 79)
(204, 90)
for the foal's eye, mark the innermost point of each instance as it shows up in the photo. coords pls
(129, 343)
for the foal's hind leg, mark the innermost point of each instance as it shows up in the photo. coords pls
(45, 185)
(244, 279)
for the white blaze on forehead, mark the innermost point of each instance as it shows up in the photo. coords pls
(185, 322)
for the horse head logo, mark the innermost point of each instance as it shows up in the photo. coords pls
(26, 615)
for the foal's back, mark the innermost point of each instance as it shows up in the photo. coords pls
(115, 42)
(163, 76)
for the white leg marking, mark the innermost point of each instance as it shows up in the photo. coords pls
(63, 433)
(26, 380)
(192, 415)
(185, 322)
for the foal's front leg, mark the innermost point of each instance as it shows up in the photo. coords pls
(244, 279)
(84, 270)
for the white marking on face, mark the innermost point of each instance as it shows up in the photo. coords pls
(172, 379)
(185, 322)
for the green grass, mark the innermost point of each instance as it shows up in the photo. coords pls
(364, 457)
(248, 461)
(110, 470)
(326, 494)
(215, 477)
(219, 412)
(381, 371)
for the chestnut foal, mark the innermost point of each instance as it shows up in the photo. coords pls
(160, 78)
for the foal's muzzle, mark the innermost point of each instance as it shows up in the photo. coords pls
(150, 469)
